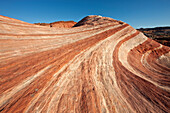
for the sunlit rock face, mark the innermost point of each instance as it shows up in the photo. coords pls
(100, 66)
(58, 24)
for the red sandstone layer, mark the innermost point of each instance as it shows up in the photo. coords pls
(59, 24)
(99, 66)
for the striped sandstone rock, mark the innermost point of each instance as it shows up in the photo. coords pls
(99, 66)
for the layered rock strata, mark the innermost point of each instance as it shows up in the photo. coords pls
(100, 66)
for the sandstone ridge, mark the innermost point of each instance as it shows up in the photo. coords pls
(95, 20)
(58, 24)
(100, 65)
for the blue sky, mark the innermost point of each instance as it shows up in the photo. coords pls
(137, 13)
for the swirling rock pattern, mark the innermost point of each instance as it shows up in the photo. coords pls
(100, 66)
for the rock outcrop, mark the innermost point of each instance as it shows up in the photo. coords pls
(99, 66)
(159, 34)
(59, 24)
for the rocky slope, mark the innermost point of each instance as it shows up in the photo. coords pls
(58, 24)
(159, 34)
(100, 66)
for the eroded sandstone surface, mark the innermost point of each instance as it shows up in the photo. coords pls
(99, 66)
(58, 24)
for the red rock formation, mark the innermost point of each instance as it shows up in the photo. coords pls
(159, 34)
(102, 65)
(59, 24)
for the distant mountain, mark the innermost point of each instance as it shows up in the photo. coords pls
(159, 34)
(58, 24)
